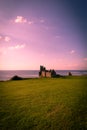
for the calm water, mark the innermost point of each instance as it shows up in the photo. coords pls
(6, 74)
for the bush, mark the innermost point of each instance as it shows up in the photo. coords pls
(16, 78)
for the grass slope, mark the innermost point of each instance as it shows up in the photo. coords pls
(44, 104)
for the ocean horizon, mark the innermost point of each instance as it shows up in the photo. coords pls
(8, 74)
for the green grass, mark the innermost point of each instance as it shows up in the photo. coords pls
(44, 104)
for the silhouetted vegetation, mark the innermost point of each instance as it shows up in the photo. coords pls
(69, 74)
(16, 78)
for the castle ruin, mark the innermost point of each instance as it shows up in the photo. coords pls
(46, 73)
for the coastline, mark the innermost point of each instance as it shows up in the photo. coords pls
(61, 77)
(6, 75)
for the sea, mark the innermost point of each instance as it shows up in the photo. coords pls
(8, 74)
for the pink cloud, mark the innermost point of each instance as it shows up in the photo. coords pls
(30, 22)
(17, 47)
(42, 21)
(5, 38)
(85, 59)
(58, 36)
(20, 19)
(72, 51)
(0, 37)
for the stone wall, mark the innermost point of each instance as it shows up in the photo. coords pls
(43, 74)
(48, 74)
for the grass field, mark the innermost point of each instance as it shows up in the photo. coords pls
(44, 104)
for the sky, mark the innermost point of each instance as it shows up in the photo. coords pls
(52, 33)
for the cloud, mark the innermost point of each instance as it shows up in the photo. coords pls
(72, 51)
(85, 59)
(0, 37)
(42, 21)
(20, 19)
(58, 36)
(47, 28)
(17, 47)
(30, 22)
(5, 50)
(5, 38)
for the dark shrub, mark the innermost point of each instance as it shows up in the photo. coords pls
(70, 74)
(16, 78)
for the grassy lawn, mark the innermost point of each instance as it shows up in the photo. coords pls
(44, 104)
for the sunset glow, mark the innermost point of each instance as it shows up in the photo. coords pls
(43, 32)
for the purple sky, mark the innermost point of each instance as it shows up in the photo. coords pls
(43, 32)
